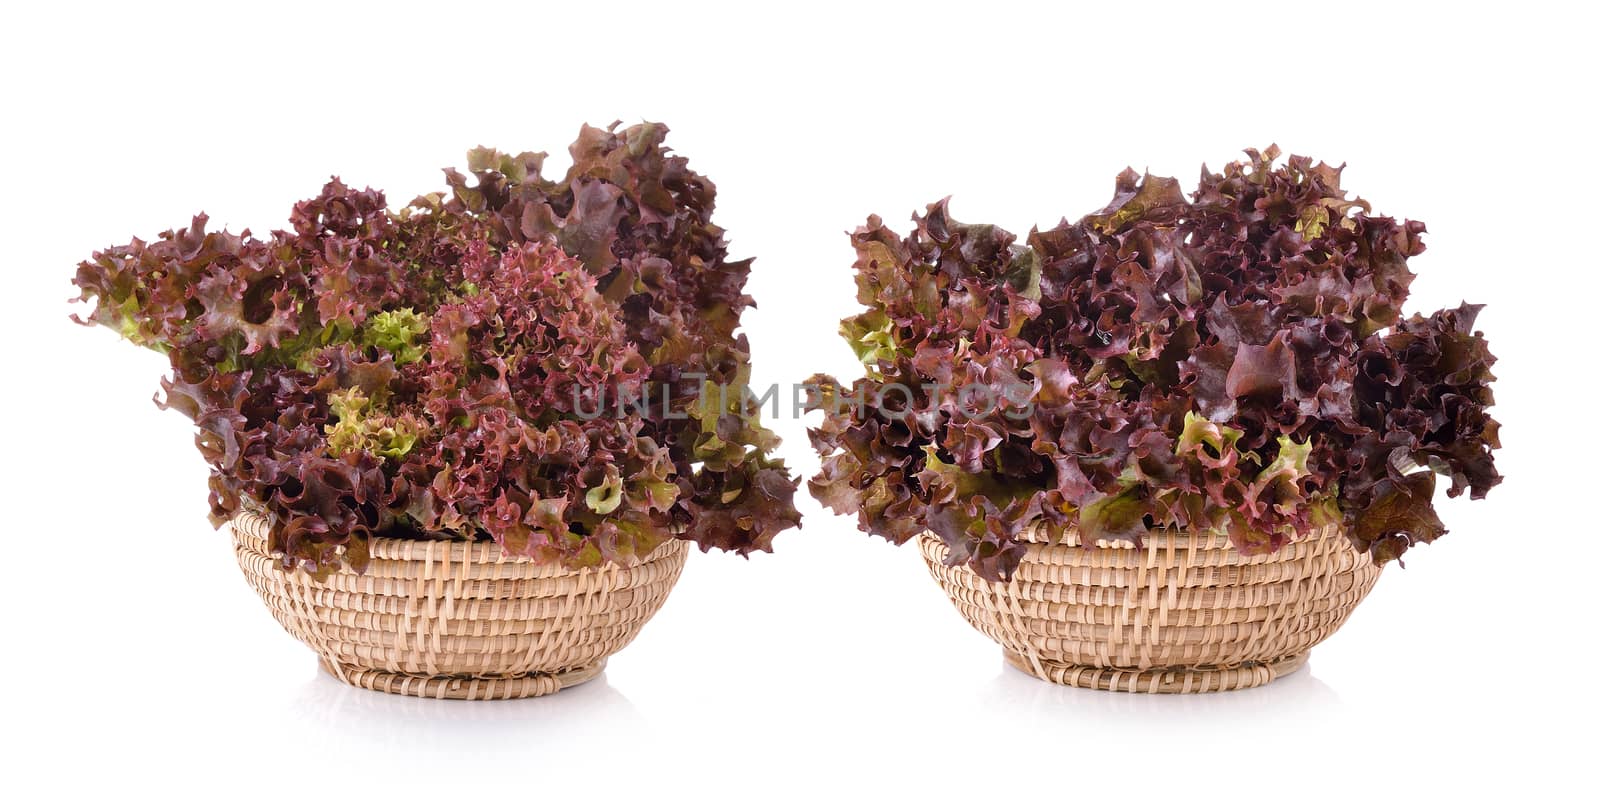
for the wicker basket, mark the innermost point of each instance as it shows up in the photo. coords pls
(1187, 614)
(455, 620)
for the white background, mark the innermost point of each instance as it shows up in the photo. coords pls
(133, 650)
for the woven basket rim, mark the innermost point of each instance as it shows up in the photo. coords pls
(385, 548)
(1163, 537)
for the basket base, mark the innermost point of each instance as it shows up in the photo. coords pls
(1198, 679)
(463, 688)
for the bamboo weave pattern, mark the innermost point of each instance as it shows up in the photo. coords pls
(1186, 614)
(455, 619)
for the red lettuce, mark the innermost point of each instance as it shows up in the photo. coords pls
(1235, 361)
(517, 358)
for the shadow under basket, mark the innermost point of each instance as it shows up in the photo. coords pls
(456, 620)
(1185, 614)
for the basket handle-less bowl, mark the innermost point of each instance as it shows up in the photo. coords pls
(456, 619)
(1185, 614)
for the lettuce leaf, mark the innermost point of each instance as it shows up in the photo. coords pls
(1234, 361)
(455, 368)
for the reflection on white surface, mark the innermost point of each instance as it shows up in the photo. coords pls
(1097, 722)
(1301, 691)
(590, 711)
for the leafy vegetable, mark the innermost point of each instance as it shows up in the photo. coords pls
(1234, 361)
(459, 368)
